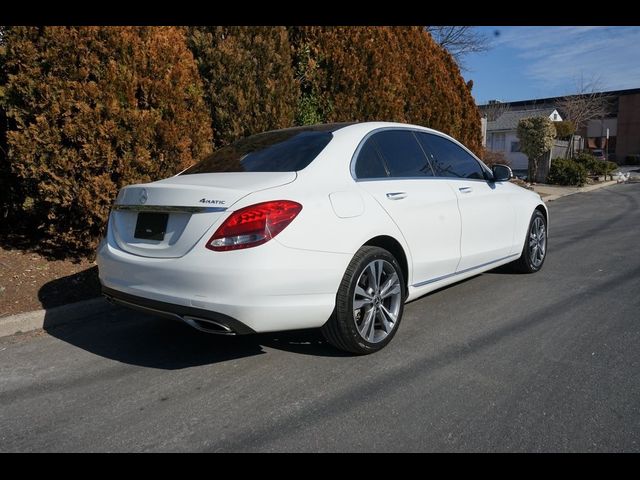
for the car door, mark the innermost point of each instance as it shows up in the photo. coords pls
(487, 213)
(392, 167)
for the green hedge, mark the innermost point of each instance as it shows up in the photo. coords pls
(605, 167)
(587, 160)
(567, 172)
(595, 166)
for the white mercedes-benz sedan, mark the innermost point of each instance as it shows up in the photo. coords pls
(334, 226)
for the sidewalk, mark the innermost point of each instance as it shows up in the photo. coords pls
(53, 317)
(553, 192)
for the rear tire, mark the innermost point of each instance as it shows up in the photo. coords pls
(365, 320)
(534, 251)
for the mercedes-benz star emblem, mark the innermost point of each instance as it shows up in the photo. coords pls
(143, 196)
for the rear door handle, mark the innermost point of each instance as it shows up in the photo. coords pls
(396, 195)
(465, 189)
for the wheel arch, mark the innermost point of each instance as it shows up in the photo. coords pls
(542, 208)
(396, 249)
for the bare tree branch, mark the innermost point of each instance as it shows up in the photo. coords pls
(494, 109)
(588, 103)
(459, 41)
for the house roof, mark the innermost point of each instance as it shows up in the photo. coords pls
(554, 100)
(509, 119)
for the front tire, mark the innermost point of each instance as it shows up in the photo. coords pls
(369, 303)
(534, 250)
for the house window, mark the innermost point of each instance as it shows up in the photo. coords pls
(555, 117)
(498, 142)
(515, 146)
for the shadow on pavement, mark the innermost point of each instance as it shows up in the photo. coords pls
(135, 338)
(70, 288)
(502, 270)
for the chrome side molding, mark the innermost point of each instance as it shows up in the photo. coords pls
(466, 270)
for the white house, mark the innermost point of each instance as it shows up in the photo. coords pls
(502, 133)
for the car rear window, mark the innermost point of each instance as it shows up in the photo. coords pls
(286, 150)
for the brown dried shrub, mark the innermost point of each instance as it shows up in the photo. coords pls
(90, 109)
(382, 73)
(248, 78)
(493, 158)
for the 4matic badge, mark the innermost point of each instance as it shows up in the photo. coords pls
(212, 202)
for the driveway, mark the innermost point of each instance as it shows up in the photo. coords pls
(500, 362)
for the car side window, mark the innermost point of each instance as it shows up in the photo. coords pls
(449, 159)
(402, 154)
(369, 163)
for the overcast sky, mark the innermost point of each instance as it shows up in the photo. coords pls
(536, 62)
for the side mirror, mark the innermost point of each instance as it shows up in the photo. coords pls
(501, 173)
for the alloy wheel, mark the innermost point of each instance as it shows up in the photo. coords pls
(537, 242)
(377, 300)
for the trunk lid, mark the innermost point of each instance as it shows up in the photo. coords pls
(187, 205)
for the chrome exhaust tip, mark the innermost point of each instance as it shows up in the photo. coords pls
(207, 326)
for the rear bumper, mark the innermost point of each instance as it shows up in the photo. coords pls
(205, 320)
(267, 288)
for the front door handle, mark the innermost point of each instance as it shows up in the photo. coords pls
(396, 195)
(465, 189)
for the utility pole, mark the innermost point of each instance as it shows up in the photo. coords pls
(602, 134)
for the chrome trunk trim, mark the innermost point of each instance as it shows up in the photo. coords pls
(168, 208)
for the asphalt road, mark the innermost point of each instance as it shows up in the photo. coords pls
(500, 362)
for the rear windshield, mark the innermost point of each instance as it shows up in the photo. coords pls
(287, 150)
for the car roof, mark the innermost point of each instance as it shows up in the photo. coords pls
(365, 127)
(351, 127)
(318, 127)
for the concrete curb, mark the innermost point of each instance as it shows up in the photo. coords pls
(29, 321)
(589, 188)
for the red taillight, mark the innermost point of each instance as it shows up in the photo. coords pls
(253, 225)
